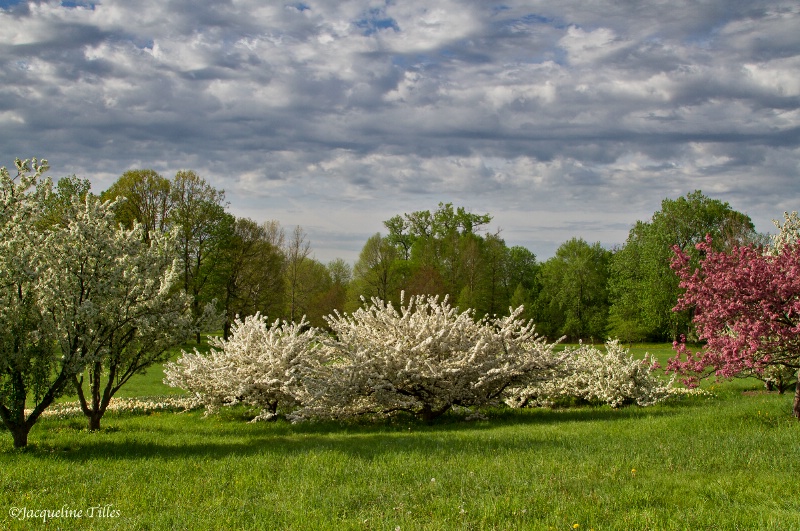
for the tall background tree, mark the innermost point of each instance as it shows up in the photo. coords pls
(378, 271)
(445, 253)
(297, 251)
(198, 215)
(332, 290)
(642, 287)
(573, 300)
(148, 200)
(251, 272)
(522, 279)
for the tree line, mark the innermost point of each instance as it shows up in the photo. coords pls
(585, 291)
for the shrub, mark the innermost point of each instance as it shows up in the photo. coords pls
(423, 358)
(613, 377)
(259, 365)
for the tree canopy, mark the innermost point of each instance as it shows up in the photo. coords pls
(643, 289)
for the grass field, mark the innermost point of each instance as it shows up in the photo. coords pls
(722, 462)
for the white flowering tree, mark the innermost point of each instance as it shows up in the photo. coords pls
(29, 363)
(259, 364)
(81, 297)
(788, 233)
(123, 302)
(611, 376)
(422, 358)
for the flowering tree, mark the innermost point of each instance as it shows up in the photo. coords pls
(122, 296)
(422, 358)
(258, 364)
(611, 376)
(28, 361)
(80, 296)
(746, 306)
(788, 233)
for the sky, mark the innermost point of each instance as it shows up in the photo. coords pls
(567, 119)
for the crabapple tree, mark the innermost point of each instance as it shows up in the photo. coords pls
(80, 296)
(746, 305)
(611, 376)
(134, 311)
(29, 363)
(259, 365)
(422, 358)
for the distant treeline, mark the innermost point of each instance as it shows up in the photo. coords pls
(583, 292)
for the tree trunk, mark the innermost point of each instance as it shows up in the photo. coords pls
(94, 420)
(796, 406)
(428, 414)
(20, 434)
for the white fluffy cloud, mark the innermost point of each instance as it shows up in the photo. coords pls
(561, 119)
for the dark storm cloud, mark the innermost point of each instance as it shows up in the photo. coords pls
(560, 118)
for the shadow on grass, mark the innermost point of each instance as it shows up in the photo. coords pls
(366, 446)
(190, 436)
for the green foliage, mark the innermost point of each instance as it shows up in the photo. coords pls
(147, 200)
(442, 253)
(573, 300)
(195, 211)
(378, 271)
(643, 289)
(57, 205)
(198, 215)
(249, 272)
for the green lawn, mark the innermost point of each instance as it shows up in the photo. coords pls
(725, 462)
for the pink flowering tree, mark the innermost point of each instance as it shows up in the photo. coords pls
(746, 308)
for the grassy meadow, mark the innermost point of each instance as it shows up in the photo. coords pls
(722, 462)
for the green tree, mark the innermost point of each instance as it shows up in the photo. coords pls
(443, 240)
(334, 295)
(199, 217)
(377, 273)
(296, 252)
(325, 288)
(642, 287)
(521, 279)
(251, 270)
(57, 205)
(495, 276)
(148, 200)
(439, 251)
(573, 300)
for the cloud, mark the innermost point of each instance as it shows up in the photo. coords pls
(561, 119)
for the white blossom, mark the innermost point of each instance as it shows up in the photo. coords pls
(422, 358)
(259, 365)
(788, 233)
(77, 292)
(612, 376)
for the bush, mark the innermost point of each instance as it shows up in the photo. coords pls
(259, 365)
(423, 358)
(613, 377)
